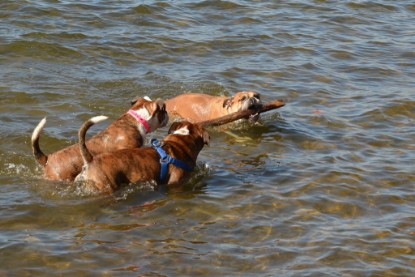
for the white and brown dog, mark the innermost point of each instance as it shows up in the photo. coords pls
(128, 131)
(197, 107)
(168, 163)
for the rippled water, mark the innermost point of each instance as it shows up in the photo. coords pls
(325, 186)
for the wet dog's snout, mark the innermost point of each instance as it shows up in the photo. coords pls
(253, 102)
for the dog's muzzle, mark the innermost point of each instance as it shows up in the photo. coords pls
(253, 103)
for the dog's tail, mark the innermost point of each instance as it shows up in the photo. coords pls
(40, 157)
(86, 155)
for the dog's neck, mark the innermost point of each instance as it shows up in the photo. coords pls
(180, 148)
(166, 160)
(143, 125)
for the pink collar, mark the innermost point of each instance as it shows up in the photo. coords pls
(140, 119)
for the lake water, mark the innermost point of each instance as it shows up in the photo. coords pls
(324, 186)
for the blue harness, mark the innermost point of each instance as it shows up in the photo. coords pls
(166, 159)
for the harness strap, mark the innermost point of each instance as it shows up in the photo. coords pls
(166, 159)
(140, 119)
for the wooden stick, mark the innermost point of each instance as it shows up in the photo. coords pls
(243, 114)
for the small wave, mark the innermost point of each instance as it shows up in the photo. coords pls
(401, 108)
(78, 190)
(372, 6)
(40, 50)
(62, 35)
(222, 5)
(16, 164)
(38, 11)
(15, 169)
(145, 9)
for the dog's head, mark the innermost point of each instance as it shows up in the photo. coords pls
(242, 101)
(154, 112)
(194, 131)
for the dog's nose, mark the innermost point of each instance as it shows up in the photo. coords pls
(253, 103)
(253, 100)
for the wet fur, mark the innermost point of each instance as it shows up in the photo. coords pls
(106, 172)
(125, 132)
(197, 107)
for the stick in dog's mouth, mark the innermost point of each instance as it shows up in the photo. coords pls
(260, 108)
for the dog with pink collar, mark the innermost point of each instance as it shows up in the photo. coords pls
(128, 131)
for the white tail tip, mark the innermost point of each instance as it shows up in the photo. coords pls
(97, 119)
(147, 98)
(38, 128)
(42, 123)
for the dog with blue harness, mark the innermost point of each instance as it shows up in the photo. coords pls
(169, 162)
(166, 159)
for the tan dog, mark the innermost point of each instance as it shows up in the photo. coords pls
(197, 107)
(106, 172)
(128, 131)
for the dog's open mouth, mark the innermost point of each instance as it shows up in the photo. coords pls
(254, 118)
(254, 103)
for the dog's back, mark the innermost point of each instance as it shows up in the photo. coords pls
(106, 172)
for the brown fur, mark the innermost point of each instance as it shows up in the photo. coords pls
(125, 132)
(197, 107)
(106, 172)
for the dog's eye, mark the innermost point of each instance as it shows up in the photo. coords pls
(243, 98)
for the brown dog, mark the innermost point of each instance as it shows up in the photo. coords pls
(168, 164)
(197, 107)
(128, 131)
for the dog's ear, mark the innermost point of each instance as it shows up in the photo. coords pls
(132, 102)
(161, 106)
(206, 137)
(174, 127)
(227, 102)
(199, 130)
(158, 105)
(138, 100)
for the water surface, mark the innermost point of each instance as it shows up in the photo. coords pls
(322, 187)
